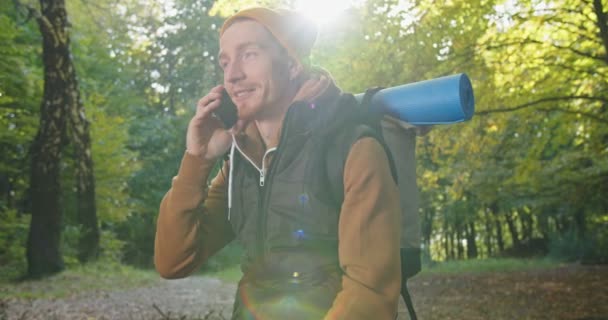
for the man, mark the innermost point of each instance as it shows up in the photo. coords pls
(305, 256)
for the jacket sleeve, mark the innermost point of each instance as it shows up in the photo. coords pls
(192, 223)
(368, 237)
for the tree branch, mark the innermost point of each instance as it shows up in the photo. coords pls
(44, 24)
(602, 58)
(31, 11)
(581, 113)
(544, 100)
(576, 28)
(528, 40)
(105, 11)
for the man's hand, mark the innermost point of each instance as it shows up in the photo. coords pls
(206, 136)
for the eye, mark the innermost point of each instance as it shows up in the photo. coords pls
(249, 54)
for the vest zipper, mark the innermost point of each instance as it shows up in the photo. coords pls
(264, 194)
(263, 170)
(262, 197)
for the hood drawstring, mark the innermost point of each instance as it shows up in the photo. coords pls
(232, 148)
(262, 170)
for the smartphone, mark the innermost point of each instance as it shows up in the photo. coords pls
(226, 112)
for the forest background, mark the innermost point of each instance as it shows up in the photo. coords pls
(528, 176)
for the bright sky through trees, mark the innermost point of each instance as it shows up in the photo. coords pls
(323, 11)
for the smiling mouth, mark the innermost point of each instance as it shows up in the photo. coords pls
(240, 94)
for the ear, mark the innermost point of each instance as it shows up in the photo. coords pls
(295, 68)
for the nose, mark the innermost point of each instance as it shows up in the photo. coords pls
(233, 72)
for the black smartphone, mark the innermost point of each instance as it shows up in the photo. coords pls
(226, 112)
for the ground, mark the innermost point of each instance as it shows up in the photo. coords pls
(572, 292)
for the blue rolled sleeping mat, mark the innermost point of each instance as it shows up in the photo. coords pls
(444, 100)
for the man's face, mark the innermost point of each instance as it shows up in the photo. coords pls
(256, 72)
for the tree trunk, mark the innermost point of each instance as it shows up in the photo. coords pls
(451, 245)
(512, 229)
(602, 23)
(532, 224)
(560, 225)
(471, 244)
(88, 247)
(427, 230)
(527, 225)
(60, 102)
(488, 234)
(446, 243)
(499, 236)
(459, 245)
(581, 223)
(43, 255)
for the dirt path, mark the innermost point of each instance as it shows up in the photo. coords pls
(191, 298)
(572, 292)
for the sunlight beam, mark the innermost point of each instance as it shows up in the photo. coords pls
(324, 12)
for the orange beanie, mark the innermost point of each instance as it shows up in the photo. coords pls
(294, 32)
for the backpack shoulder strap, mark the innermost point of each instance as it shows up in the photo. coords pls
(362, 123)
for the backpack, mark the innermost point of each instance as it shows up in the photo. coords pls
(400, 144)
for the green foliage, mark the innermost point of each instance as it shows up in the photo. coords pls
(160, 144)
(229, 274)
(20, 86)
(137, 235)
(532, 164)
(179, 68)
(595, 251)
(114, 164)
(20, 89)
(506, 170)
(70, 235)
(590, 249)
(489, 265)
(13, 236)
(99, 276)
(112, 249)
(228, 257)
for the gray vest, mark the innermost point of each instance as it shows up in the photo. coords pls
(289, 226)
